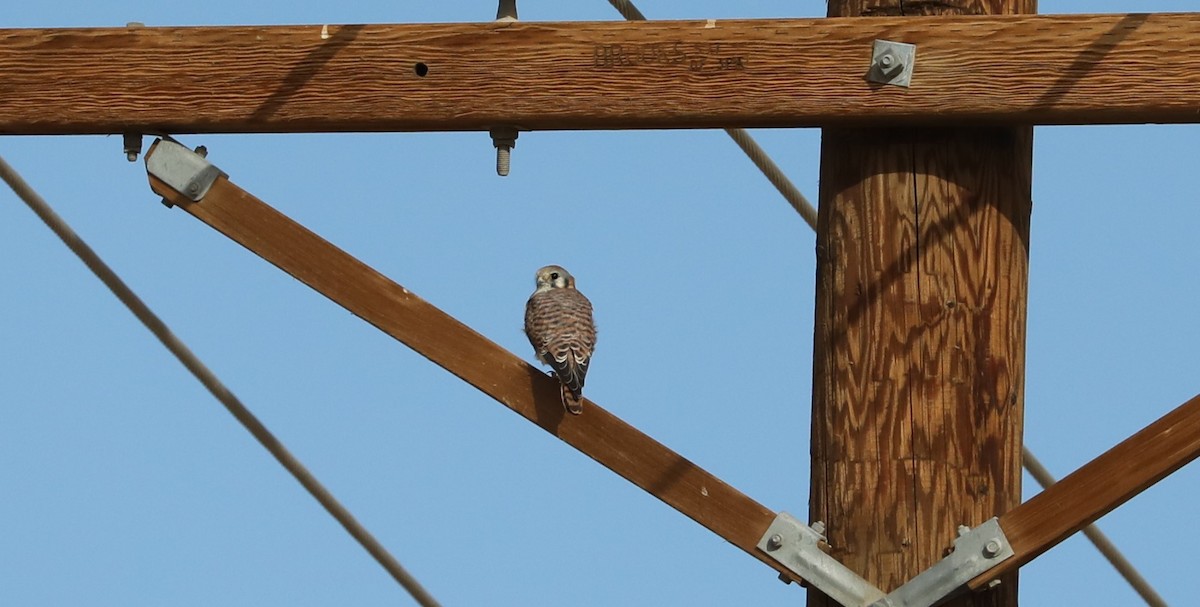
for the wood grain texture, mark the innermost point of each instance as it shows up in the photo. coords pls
(1100, 486)
(919, 346)
(922, 246)
(478, 361)
(599, 75)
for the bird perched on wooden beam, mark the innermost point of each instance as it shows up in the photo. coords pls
(558, 322)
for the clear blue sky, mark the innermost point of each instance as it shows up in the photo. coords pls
(125, 483)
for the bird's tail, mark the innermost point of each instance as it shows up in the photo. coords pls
(571, 401)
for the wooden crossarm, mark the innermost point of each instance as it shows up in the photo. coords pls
(478, 361)
(1099, 486)
(1029, 69)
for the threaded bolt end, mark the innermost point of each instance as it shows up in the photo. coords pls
(505, 139)
(503, 160)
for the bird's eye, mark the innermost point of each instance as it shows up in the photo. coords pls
(554, 276)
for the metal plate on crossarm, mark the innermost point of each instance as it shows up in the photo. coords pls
(892, 63)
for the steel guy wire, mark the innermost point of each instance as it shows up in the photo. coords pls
(214, 385)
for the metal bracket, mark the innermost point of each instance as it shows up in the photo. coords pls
(892, 63)
(796, 546)
(975, 551)
(187, 172)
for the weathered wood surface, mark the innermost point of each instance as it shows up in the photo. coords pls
(922, 246)
(598, 75)
(478, 361)
(1099, 486)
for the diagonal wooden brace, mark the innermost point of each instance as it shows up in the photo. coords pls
(1032, 528)
(472, 357)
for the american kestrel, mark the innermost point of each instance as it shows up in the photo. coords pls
(558, 322)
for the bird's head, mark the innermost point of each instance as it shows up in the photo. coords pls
(554, 277)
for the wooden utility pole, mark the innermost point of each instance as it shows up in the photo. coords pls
(922, 246)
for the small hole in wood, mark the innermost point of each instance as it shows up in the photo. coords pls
(421, 69)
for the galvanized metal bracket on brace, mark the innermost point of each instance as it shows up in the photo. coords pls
(796, 546)
(975, 551)
(187, 172)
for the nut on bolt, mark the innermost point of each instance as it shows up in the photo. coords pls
(132, 142)
(991, 548)
(774, 542)
(890, 64)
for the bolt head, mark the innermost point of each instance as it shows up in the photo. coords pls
(889, 64)
(991, 548)
(774, 542)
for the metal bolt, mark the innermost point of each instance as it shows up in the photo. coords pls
(991, 548)
(890, 64)
(993, 583)
(774, 542)
(505, 139)
(819, 527)
(963, 530)
(503, 160)
(192, 188)
(507, 10)
(133, 145)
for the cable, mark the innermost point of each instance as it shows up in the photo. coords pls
(763, 161)
(210, 381)
(757, 155)
(627, 10)
(1101, 541)
(775, 175)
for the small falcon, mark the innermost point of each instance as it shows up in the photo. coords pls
(558, 322)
